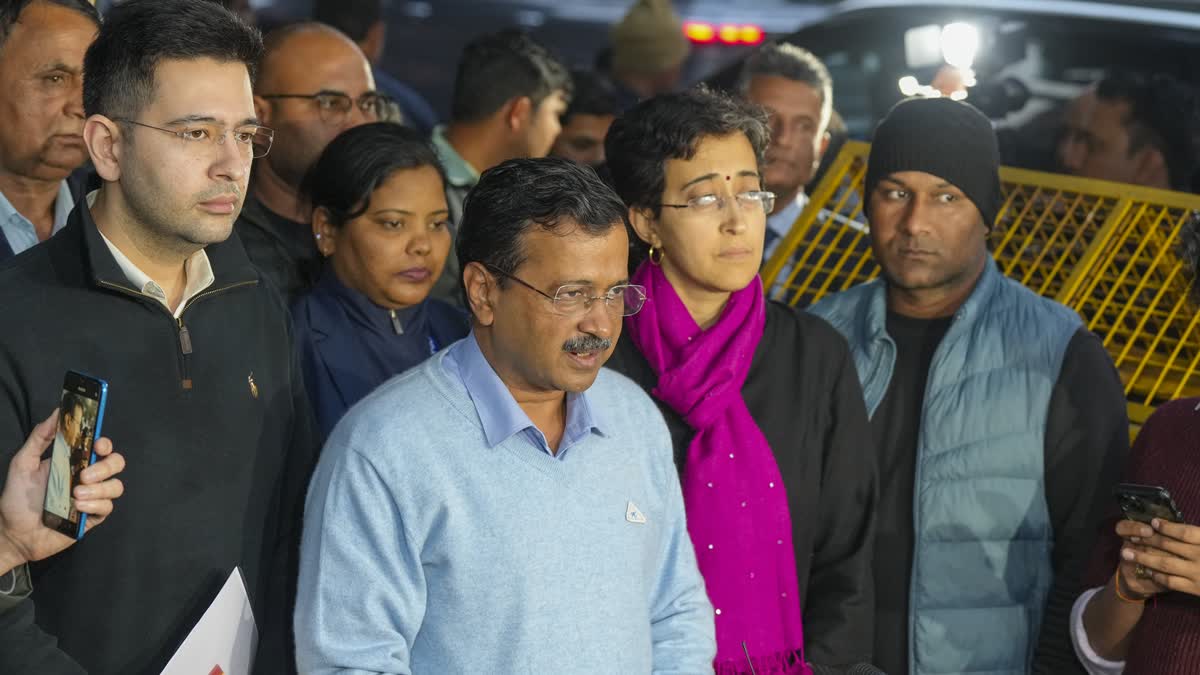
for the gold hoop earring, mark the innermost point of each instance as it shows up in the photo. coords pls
(653, 260)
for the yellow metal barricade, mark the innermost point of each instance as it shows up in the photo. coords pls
(1106, 250)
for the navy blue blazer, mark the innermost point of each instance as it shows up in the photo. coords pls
(349, 346)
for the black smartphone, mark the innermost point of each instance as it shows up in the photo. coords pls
(80, 416)
(1144, 503)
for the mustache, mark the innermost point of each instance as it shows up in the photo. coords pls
(587, 343)
(222, 191)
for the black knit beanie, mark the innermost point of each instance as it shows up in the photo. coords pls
(948, 139)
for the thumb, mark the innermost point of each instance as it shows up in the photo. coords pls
(38, 440)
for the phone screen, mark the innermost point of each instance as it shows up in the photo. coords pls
(78, 423)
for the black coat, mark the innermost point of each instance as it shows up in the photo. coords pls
(803, 393)
(215, 427)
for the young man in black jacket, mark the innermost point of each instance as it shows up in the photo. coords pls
(145, 289)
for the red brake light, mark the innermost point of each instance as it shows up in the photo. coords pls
(702, 33)
(751, 35)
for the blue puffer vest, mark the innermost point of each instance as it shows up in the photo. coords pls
(981, 564)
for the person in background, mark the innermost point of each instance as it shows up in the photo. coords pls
(314, 84)
(510, 481)
(1134, 128)
(364, 22)
(1141, 613)
(999, 419)
(649, 50)
(380, 218)
(591, 112)
(41, 116)
(797, 92)
(24, 648)
(146, 288)
(509, 94)
(762, 401)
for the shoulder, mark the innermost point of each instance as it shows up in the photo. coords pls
(811, 330)
(841, 309)
(1176, 419)
(616, 392)
(1052, 314)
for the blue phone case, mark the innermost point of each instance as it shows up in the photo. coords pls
(95, 437)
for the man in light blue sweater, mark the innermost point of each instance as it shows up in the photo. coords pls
(509, 507)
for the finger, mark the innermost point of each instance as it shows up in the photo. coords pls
(93, 521)
(1158, 562)
(1189, 534)
(109, 489)
(103, 447)
(103, 469)
(35, 446)
(1176, 583)
(1174, 547)
(94, 507)
(1132, 528)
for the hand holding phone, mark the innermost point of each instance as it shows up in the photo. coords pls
(23, 536)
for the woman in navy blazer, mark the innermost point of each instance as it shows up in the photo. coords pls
(381, 221)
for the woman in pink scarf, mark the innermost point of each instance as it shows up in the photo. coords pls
(763, 402)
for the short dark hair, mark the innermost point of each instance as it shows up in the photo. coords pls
(667, 127)
(793, 63)
(138, 34)
(352, 17)
(520, 195)
(594, 94)
(10, 13)
(355, 163)
(71, 402)
(499, 67)
(1164, 113)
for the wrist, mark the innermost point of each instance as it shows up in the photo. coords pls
(1125, 593)
(10, 556)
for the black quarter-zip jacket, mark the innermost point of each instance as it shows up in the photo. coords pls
(209, 411)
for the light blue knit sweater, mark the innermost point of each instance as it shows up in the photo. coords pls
(427, 551)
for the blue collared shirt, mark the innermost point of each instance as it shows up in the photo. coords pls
(19, 230)
(498, 411)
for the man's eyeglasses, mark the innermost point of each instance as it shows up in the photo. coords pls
(747, 201)
(575, 300)
(333, 106)
(251, 139)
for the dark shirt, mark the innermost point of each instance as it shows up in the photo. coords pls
(349, 345)
(1086, 443)
(803, 393)
(282, 249)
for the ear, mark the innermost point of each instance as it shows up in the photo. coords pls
(825, 138)
(324, 232)
(1151, 169)
(518, 113)
(262, 110)
(481, 291)
(103, 139)
(372, 44)
(645, 225)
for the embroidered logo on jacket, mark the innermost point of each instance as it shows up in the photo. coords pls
(633, 514)
(253, 387)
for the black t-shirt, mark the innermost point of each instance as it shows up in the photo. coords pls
(896, 425)
(1086, 444)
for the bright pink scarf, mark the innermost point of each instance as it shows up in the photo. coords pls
(737, 508)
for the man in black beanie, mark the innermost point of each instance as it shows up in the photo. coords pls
(999, 419)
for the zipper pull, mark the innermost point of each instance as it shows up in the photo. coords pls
(396, 323)
(185, 338)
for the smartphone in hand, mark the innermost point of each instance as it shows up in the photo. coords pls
(1144, 503)
(80, 416)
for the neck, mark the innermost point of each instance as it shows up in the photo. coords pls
(704, 305)
(642, 85)
(33, 199)
(546, 409)
(478, 144)
(784, 200)
(274, 193)
(933, 303)
(163, 259)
